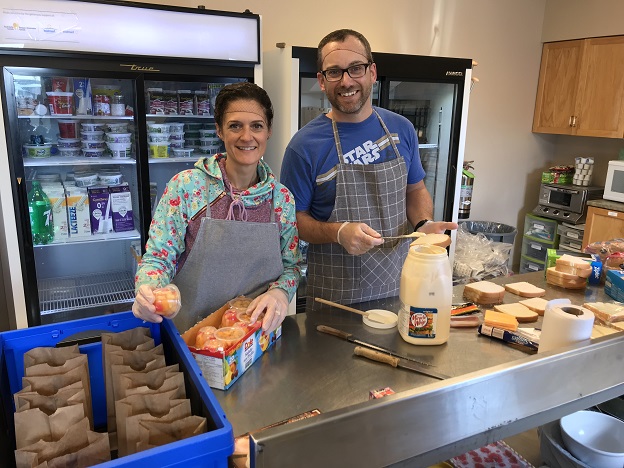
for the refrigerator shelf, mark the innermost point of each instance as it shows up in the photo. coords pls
(193, 159)
(428, 145)
(134, 234)
(77, 117)
(69, 161)
(74, 293)
(183, 117)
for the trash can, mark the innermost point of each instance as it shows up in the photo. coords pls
(496, 232)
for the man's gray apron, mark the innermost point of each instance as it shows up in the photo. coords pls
(229, 258)
(373, 194)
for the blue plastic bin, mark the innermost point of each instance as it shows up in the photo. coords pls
(211, 449)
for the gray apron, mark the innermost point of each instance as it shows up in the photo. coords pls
(373, 194)
(229, 258)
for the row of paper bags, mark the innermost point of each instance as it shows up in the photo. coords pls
(146, 403)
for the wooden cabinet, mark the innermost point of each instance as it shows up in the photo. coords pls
(581, 88)
(602, 224)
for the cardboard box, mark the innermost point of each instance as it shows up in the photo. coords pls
(614, 284)
(78, 212)
(222, 369)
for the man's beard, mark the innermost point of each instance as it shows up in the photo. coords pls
(351, 108)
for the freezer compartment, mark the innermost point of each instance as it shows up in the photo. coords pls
(210, 449)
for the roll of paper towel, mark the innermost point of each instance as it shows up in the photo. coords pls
(564, 324)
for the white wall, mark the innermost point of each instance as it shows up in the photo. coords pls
(504, 36)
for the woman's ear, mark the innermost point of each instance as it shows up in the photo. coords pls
(219, 134)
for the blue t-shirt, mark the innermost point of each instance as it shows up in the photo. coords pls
(309, 166)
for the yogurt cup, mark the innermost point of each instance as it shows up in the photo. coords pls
(156, 137)
(208, 133)
(38, 151)
(183, 152)
(93, 153)
(176, 127)
(65, 143)
(118, 127)
(176, 143)
(158, 128)
(120, 150)
(159, 149)
(85, 179)
(88, 144)
(60, 103)
(92, 127)
(176, 136)
(97, 135)
(70, 152)
(119, 137)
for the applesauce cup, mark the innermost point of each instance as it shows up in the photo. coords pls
(167, 300)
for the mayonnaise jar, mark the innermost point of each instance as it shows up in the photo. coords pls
(426, 292)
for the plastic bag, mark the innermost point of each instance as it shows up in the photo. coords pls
(477, 258)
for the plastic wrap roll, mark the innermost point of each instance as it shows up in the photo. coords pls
(564, 324)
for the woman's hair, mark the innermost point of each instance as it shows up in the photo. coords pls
(341, 35)
(242, 91)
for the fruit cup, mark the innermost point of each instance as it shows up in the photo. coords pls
(167, 300)
(229, 318)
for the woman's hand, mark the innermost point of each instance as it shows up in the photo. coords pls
(438, 227)
(274, 303)
(143, 307)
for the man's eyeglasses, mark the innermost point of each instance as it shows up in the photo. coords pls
(354, 71)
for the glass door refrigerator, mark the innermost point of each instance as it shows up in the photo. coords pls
(94, 130)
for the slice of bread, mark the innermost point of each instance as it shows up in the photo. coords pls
(608, 312)
(564, 280)
(573, 265)
(522, 313)
(601, 330)
(525, 289)
(441, 240)
(500, 320)
(536, 304)
(484, 292)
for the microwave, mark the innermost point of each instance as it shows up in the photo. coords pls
(614, 186)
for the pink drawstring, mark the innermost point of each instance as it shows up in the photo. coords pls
(237, 201)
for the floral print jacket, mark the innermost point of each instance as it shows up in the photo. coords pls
(187, 193)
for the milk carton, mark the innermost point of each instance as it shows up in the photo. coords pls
(56, 194)
(78, 212)
(121, 208)
(100, 210)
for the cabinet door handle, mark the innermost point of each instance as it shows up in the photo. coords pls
(570, 121)
(574, 120)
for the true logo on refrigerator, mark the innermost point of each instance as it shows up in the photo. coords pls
(135, 67)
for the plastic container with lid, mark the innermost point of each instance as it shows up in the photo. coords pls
(158, 128)
(426, 296)
(183, 152)
(110, 178)
(157, 136)
(70, 152)
(167, 300)
(120, 150)
(88, 144)
(60, 103)
(93, 152)
(117, 127)
(119, 137)
(68, 143)
(230, 335)
(69, 128)
(38, 151)
(85, 179)
(97, 135)
(176, 127)
(92, 127)
(159, 149)
(176, 144)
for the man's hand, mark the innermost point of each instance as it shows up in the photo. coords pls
(359, 238)
(438, 227)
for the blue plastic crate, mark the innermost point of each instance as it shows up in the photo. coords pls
(211, 449)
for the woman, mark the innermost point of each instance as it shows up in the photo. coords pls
(226, 227)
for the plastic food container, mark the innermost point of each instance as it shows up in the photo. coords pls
(120, 150)
(159, 150)
(117, 127)
(85, 179)
(92, 127)
(52, 177)
(119, 137)
(192, 142)
(208, 133)
(240, 303)
(176, 136)
(38, 151)
(60, 103)
(88, 144)
(68, 129)
(70, 152)
(158, 128)
(110, 179)
(68, 143)
(211, 448)
(230, 335)
(183, 152)
(168, 300)
(176, 126)
(97, 135)
(177, 144)
(193, 126)
(93, 153)
(158, 137)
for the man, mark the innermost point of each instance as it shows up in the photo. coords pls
(356, 177)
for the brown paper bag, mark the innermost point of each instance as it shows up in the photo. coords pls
(110, 345)
(34, 425)
(92, 447)
(50, 384)
(135, 408)
(157, 362)
(156, 381)
(97, 451)
(63, 367)
(68, 396)
(50, 355)
(156, 433)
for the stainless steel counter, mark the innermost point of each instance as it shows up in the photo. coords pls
(495, 391)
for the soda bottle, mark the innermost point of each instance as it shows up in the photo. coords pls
(40, 211)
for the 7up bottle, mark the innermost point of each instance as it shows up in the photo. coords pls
(40, 211)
